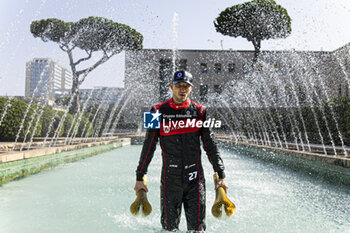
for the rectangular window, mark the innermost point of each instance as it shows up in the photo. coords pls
(217, 67)
(245, 68)
(231, 67)
(203, 90)
(218, 89)
(204, 67)
(165, 74)
(181, 64)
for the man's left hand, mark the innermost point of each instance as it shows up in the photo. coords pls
(221, 183)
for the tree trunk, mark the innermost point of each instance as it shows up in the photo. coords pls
(257, 45)
(75, 107)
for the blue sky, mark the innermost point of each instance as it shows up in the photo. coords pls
(316, 25)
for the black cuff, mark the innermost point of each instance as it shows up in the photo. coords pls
(221, 174)
(139, 177)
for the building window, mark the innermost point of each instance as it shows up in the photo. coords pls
(245, 68)
(218, 89)
(231, 67)
(217, 67)
(165, 75)
(203, 91)
(204, 67)
(181, 64)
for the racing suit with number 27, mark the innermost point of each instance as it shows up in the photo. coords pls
(182, 177)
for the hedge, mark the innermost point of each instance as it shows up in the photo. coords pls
(327, 122)
(13, 118)
(47, 124)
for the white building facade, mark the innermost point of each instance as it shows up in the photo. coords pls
(45, 77)
(227, 79)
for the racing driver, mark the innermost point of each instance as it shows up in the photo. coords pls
(182, 177)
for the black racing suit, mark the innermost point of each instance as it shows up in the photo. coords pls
(182, 178)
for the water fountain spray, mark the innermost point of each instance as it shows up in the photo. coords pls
(44, 70)
(175, 23)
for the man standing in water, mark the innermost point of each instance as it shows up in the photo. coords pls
(182, 180)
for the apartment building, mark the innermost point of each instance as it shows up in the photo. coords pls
(45, 77)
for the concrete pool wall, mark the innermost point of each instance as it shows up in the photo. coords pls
(15, 165)
(334, 169)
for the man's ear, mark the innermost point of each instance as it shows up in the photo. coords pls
(171, 86)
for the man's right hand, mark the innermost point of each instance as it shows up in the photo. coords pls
(140, 185)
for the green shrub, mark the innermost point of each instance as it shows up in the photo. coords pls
(320, 121)
(84, 126)
(67, 125)
(49, 125)
(12, 121)
(337, 115)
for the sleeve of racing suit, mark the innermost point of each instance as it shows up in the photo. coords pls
(147, 152)
(211, 149)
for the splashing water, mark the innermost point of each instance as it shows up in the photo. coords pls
(75, 130)
(44, 70)
(8, 105)
(175, 23)
(50, 128)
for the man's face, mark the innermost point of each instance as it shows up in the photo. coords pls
(181, 92)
